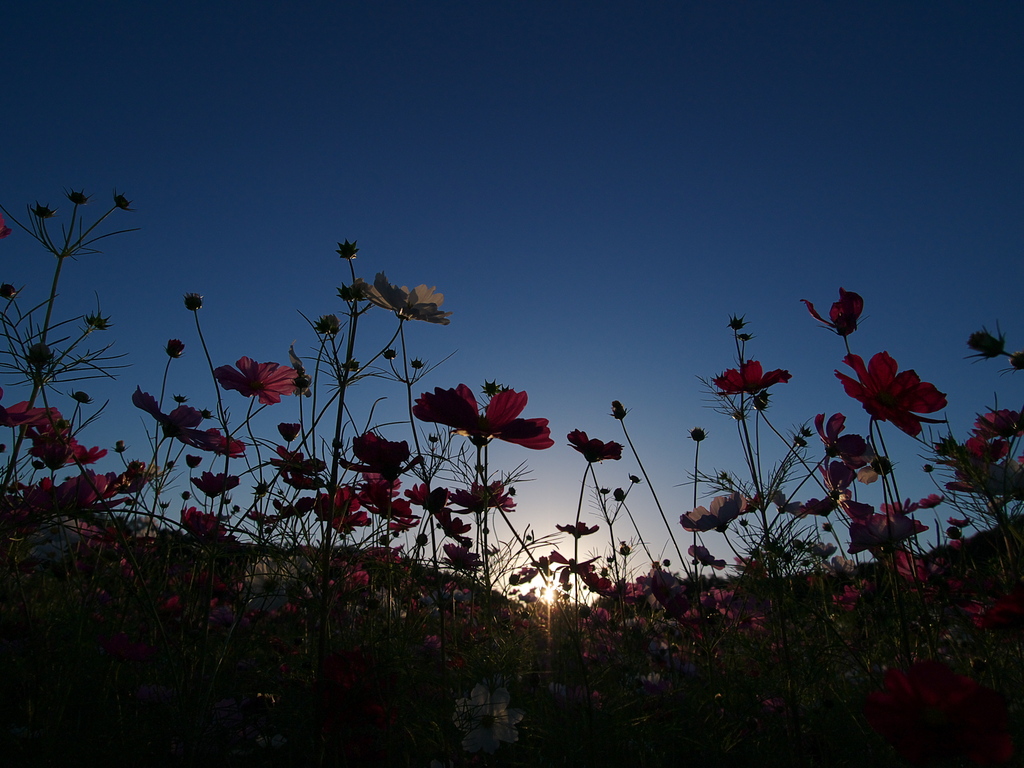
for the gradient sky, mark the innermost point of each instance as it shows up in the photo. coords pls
(594, 186)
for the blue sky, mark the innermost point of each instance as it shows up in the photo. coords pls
(595, 187)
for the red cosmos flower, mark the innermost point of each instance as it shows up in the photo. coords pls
(266, 381)
(581, 529)
(457, 408)
(461, 558)
(890, 396)
(749, 379)
(381, 457)
(594, 450)
(844, 313)
(203, 525)
(120, 647)
(214, 485)
(929, 713)
(1006, 613)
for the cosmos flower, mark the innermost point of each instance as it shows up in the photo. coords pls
(593, 449)
(4, 229)
(421, 303)
(724, 509)
(486, 719)
(930, 713)
(749, 379)
(457, 408)
(890, 396)
(266, 381)
(880, 530)
(382, 457)
(844, 313)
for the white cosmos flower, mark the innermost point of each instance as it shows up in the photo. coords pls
(421, 303)
(486, 719)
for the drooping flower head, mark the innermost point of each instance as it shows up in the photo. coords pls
(457, 408)
(890, 396)
(594, 450)
(266, 381)
(844, 313)
(421, 303)
(930, 713)
(749, 378)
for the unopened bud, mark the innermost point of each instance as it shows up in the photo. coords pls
(174, 348)
(986, 344)
(193, 301)
(618, 410)
(78, 198)
(44, 212)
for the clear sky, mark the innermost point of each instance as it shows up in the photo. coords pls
(594, 186)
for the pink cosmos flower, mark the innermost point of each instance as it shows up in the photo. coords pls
(266, 381)
(594, 450)
(929, 713)
(852, 449)
(881, 530)
(704, 557)
(844, 313)
(4, 229)
(749, 379)
(890, 396)
(19, 414)
(457, 408)
(724, 509)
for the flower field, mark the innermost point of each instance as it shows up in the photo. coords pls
(334, 591)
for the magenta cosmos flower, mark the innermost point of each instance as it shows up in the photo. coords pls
(749, 379)
(890, 396)
(844, 313)
(266, 381)
(458, 409)
(4, 229)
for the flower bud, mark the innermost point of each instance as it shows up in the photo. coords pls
(97, 322)
(347, 250)
(289, 431)
(44, 212)
(618, 411)
(38, 355)
(8, 291)
(174, 348)
(119, 447)
(81, 397)
(986, 345)
(193, 461)
(390, 354)
(1017, 361)
(327, 325)
(78, 198)
(697, 434)
(619, 495)
(416, 363)
(120, 201)
(193, 301)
